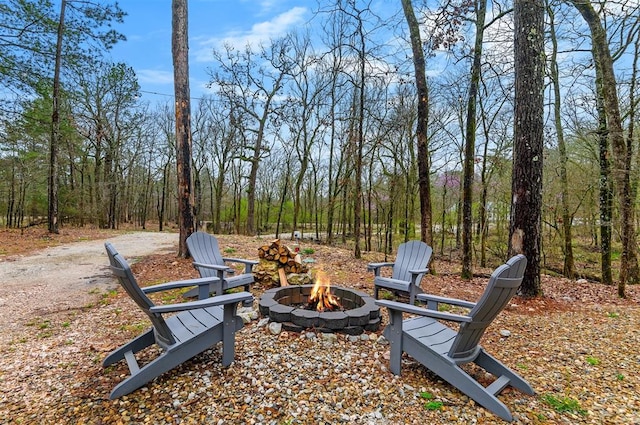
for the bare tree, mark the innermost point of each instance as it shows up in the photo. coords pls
(470, 142)
(55, 128)
(424, 179)
(251, 82)
(603, 59)
(304, 112)
(180, 52)
(569, 266)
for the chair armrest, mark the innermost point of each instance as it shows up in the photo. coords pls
(208, 302)
(212, 266)
(408, 308)
(377, 266)
(240, 260)
(248, 264)
(434, 300)
(416, 273)
(372, 266)
(202, 281)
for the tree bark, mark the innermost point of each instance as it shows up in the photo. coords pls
(470, 145)
(605, 188)
(424, 180)
(526, 207)
(180, 52)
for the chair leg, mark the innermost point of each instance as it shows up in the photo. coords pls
(216, 288)
(457, 377)
(393, 333)
(229, 333)
(247, 303)
(157, 367)
(498, 369)
(139, 343)
(164, 363)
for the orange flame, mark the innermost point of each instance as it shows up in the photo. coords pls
(321, 293)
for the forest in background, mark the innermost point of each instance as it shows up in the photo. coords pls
(304, 133)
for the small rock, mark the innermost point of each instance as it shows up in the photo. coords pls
(330, 337)
(275, 328)
(505, 333)
(245, 318)
(382, 340)
(249, 312)
(263, 322)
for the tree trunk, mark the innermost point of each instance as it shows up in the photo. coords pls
(426, 232)
(162, 198)
(629, 271)
(485, 175)
(606, 189)
(526, 207)
(180, 52)
(55, 129)
(569, 266)
(470, 145)
(357, 193)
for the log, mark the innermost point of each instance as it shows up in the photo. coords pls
(283, 277)
(284, 256)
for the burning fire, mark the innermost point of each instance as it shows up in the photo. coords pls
(321, 293)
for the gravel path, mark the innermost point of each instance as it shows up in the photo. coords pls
(66, 277)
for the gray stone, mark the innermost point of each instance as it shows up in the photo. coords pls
(299, 279)
(382, 340)
(275, 328)
(330, 337)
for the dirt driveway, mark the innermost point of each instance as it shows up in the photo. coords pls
(66, 277)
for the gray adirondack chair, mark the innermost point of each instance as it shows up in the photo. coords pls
(209, 262)
(442, 350)
(197, 326)
(410, 266)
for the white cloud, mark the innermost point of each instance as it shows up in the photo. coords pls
(154, 76)
(260, 32)
(267, 5)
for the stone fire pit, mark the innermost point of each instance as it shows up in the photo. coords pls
(287, 304)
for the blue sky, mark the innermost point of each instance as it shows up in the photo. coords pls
(211, 23)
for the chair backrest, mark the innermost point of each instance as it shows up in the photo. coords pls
(412, 255)
(204, 248)
(121, 269)
(502, 286)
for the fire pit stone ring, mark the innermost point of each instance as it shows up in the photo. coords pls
(286, 305)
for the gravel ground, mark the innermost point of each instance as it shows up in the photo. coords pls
(583, 353)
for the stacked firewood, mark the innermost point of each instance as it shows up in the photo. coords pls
(287, 259)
